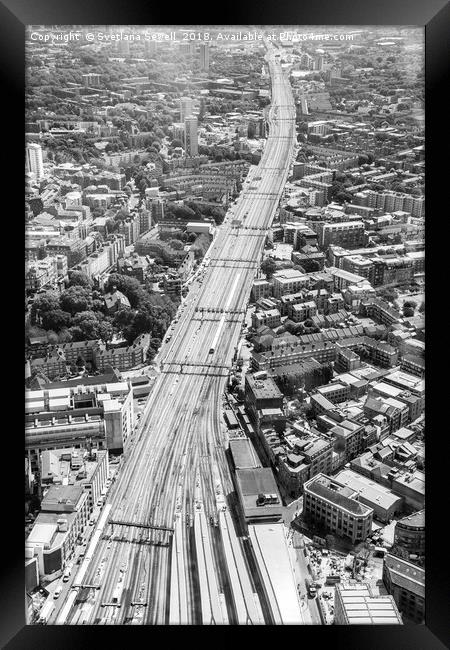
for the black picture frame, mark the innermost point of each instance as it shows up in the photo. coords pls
(434, 15)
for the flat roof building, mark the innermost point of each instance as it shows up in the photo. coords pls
(272, 554)
(406, 381)
(258, 494)
(360, 605)
(68, 417)
(243, 454)
(384, 503)
(63, 516)
(288, 281)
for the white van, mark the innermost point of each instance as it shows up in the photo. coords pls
(67, 572)
(58, 590)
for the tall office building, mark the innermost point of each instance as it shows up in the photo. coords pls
(204, 56)
(33, 160)
(191, 136)
(186, 107)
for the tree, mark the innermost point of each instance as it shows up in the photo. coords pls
(410, 303)
(52, 337)
(388, 294)
(176, 244)
(75, 299)
(111, 226)
(130, 287)
(180, 211)
(64, 336)
(79, 279)
(268, 266)
(291, 327)
(314, 265)
(218, 214)
(81, 361)
(422, 307)
(36, 205)
(155, 343)
(200, 246)
(88, 324)
(34, 332)
(142, 185)
(105, 331)
(48, 301)
(343, 196)
(122, 318)
(55, 319)
(408, 312)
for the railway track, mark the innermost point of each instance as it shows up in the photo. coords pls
(176, 474)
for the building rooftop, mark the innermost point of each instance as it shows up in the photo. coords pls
(84, 381)
(415, 520)
(330, 388)
(263, 388)
(323, 401)
(373, 492)
(407, 381)
(253, 482)
(116, 298)
(288, 275)
(272, 554)
(415, 481)
(404, 434)
(337, 493)
(60, 498)
(415, 359)
(244, 454)
(362, 607)
(42, 533)
(345, 224)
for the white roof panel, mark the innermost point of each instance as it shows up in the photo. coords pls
(270, 540)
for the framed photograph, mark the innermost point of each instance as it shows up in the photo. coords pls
(225, 323)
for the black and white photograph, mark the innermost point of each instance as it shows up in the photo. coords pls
(224, 325)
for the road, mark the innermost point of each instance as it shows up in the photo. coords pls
(176, 475)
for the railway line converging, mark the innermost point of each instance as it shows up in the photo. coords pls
(166, 550)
